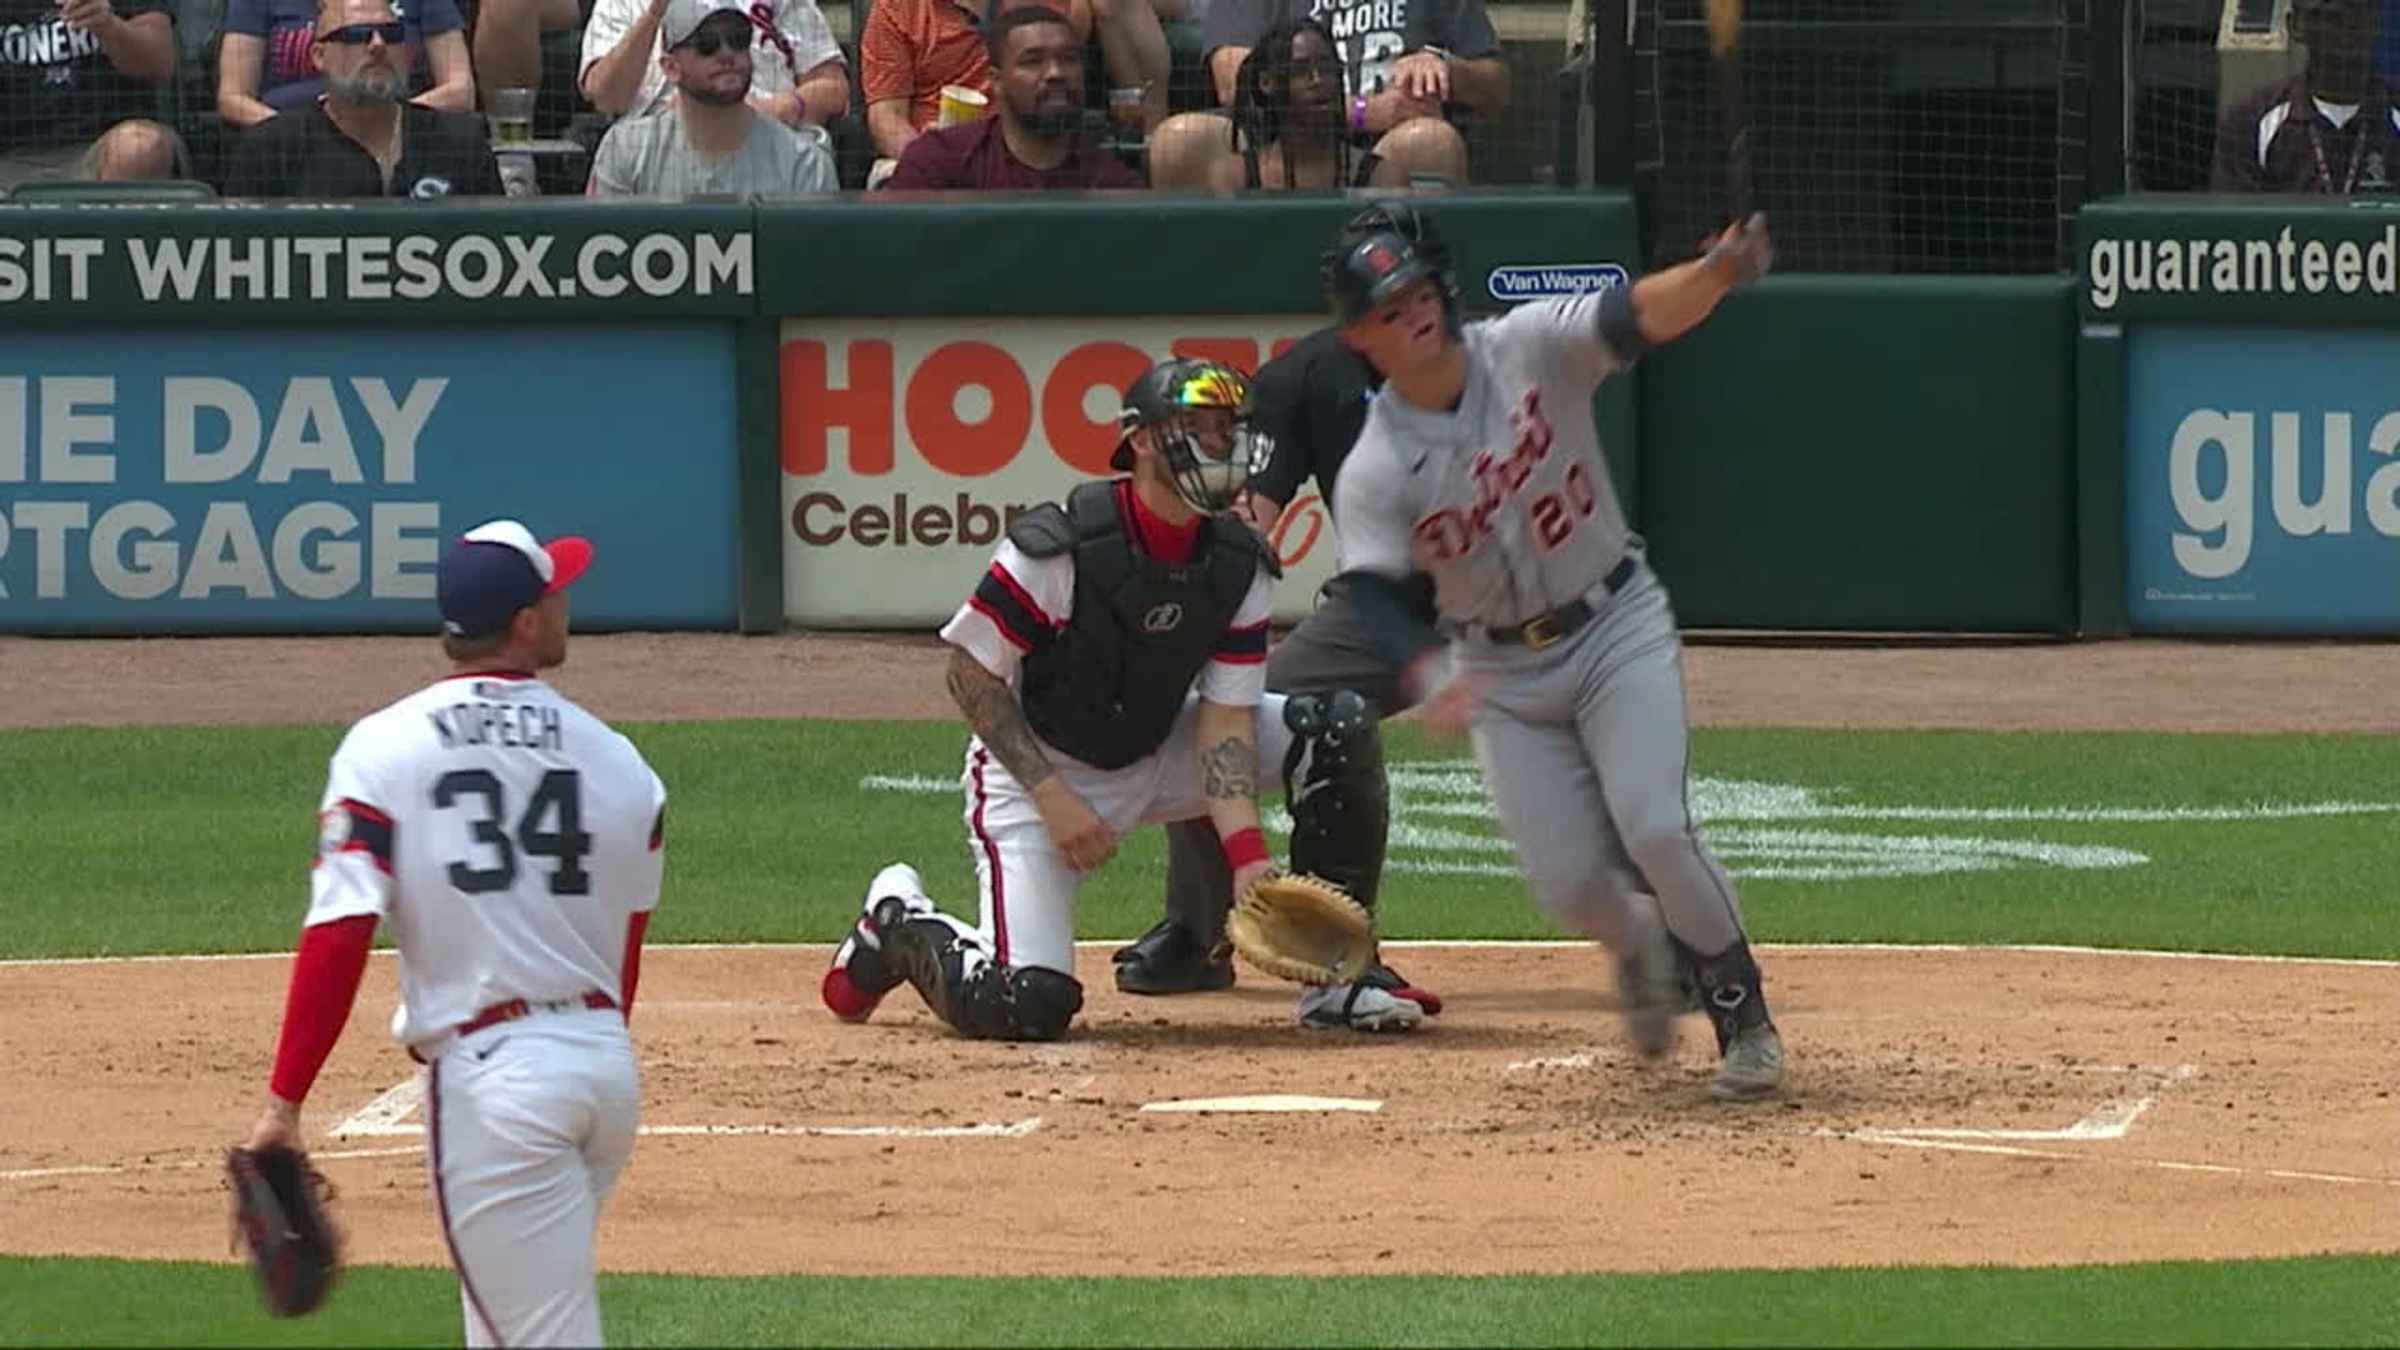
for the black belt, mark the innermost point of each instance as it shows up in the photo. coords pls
(1544, 629)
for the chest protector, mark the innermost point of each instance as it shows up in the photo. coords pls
(1108, 686)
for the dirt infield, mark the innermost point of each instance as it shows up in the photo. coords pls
(2014, 1107)
(2093, 686)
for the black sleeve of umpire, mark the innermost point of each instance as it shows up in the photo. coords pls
(1395, 621)
(1619, 326)
(1280, 392)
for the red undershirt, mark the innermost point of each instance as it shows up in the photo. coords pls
(1160, 539)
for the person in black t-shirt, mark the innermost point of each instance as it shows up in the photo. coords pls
(2330, 130)
(362, 138)
(72, 70)
(1412, 68)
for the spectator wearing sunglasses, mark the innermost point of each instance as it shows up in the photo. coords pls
(709, 140)
(1034, 139)
(797, 74)
(72, 70)
(362, 138)
(267, 62)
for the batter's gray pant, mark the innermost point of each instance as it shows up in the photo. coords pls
(1328, 650)
(1585, 747)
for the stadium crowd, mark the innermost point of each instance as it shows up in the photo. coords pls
(745, 98)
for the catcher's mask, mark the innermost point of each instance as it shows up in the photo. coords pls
(1178, 401)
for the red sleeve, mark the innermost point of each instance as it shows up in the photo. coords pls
(325, 979)
(635, 925)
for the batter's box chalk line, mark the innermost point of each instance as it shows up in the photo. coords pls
(2111, 1121)
(389, 1114)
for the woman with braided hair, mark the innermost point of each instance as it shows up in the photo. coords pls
(1287, 120)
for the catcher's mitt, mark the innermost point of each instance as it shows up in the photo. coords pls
(1302, 928)
(279, 1213)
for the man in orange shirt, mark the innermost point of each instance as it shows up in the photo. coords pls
(912, 48)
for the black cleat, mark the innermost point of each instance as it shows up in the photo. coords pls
(1168, 960)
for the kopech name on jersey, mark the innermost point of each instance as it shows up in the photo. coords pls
(518, 726)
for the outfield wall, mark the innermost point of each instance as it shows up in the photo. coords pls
(265, 418)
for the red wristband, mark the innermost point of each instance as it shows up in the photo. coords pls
(1244, 847)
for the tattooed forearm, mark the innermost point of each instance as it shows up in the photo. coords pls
(1229, 769)
(992, 710)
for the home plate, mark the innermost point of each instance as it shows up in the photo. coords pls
(1271, 1102)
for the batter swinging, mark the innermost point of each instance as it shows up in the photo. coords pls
(1480, 466)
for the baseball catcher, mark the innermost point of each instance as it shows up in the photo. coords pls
(1111, 662)
(279, 1215)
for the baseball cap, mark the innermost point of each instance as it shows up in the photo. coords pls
(684, 17)
(498, 568)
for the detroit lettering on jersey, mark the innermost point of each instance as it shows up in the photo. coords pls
(521, 726)
(1555, 511)
(1505, 500)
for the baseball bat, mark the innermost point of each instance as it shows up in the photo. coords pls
(1725, 49)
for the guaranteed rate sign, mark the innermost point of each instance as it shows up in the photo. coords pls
(909, 445)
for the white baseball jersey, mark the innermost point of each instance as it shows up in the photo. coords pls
(1506, 501)
(1022, 599)
(505, 835)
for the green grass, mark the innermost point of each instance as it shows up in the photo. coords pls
(147, 839)
(2321, 1301)
(144, 840)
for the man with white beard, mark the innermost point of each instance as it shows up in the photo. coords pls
(362, 138)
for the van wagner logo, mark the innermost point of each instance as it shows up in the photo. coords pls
(1517, 282)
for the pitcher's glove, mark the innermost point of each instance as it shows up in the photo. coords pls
(1302, 928)
(279, 1214)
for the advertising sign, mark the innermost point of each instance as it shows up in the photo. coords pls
(271, 262)
(266, 480)
(909, 444)
(2263, 480)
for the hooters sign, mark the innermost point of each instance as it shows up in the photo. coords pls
(909, 444)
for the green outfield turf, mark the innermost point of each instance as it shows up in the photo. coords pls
(170, 840)
(2322, 1301)
(143, 839)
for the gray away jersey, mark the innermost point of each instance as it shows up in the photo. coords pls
(1506, 502)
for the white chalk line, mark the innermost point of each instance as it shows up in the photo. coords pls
(1413, 944)
(398, 1103)
(2019, 1151)
(112, 1169)
(2111, 1119)
(1013, 1130)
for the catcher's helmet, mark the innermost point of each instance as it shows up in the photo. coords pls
(1381, 250)
(1163, 398)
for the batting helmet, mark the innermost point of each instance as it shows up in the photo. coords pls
(1388, 246)
(1163, 398)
